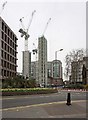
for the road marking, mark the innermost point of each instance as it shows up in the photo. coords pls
(10, 98)
(38, 105)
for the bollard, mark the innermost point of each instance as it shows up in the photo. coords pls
(68, 99)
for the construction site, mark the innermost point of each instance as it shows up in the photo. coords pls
(40, 53)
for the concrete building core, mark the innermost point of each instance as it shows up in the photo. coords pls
(42, 61)
(27, 64)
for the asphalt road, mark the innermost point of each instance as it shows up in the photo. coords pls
(17, 101)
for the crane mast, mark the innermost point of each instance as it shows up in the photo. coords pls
(46, 26)
(24, 32)
(3, 6)
(35, 51)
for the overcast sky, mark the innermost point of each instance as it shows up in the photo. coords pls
(67, 28)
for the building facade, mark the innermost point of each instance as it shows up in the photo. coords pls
(79, 71)
(76, 72)
(56, 73)
(49, 72)
(85, 62)
(33, 70)
(8, 51)
(56, 69)
(42, 61)
(52, 80)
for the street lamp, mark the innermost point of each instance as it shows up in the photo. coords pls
(56, 59)
(56, 53)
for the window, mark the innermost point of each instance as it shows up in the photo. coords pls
(2, 35)
(5, 37)
(8, 32)
(5, 29)
(2, 54)
(2, 44)
(11, 34)
(2, 63)
(5, 46)
(8, 40)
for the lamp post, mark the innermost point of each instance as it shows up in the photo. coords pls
(56, 59)
(56, 53)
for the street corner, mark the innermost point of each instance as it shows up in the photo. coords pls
(62, 110)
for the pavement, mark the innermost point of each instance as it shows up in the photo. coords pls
(77, 109)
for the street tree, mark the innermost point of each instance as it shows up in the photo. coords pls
(73, 55)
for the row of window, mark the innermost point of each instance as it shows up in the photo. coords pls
(8, 32)
(8, 65)
(6, 73)
(8, 57)
(9, 50)
(9, 41)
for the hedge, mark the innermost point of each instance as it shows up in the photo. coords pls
(27, 91)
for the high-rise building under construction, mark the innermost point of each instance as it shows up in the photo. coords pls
(26, 53)
(42, 61)
(26, 64)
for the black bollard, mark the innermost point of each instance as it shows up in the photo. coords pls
(68, 99)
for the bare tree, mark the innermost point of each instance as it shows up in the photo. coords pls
(73, 55)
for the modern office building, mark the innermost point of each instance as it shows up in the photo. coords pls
(26, 64)
(56, 69)
(51, 75)
(8, 51)
(49, 68)
(42, 61)
(56, 72)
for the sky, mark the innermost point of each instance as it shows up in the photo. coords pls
(66, 30)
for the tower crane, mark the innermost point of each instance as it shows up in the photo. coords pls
(24, 32)
(46, 26)
(3, 6)
(35, 51)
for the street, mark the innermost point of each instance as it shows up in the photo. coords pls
(21, 106)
